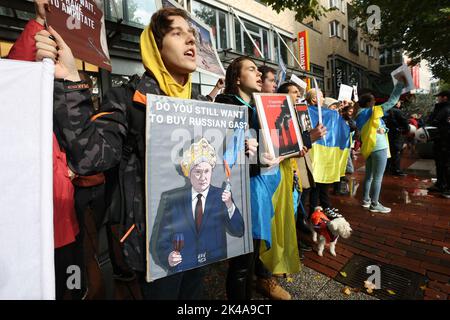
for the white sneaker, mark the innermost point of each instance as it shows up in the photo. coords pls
(379, 208)
(366, 204)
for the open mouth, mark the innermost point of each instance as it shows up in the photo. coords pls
(190, 53)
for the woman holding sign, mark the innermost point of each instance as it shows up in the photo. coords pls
(271, 193)
(375, 145)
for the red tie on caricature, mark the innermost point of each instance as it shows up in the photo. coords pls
(198, 212)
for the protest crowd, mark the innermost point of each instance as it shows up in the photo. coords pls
(99, 169)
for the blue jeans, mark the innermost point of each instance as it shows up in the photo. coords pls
(375, 166)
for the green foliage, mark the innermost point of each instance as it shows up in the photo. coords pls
(444, 85)
(420, 103)
(421, 28)
(303, 8)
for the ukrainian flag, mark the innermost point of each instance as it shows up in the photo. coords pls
(368, 121)
(272, 209)
(329, 155)
(273, 218)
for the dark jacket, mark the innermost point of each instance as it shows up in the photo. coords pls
(112, 142)
(396, 122)
(440, 118)
(254, 125)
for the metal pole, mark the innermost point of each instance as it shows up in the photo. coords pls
(287, 47)
(246, 31)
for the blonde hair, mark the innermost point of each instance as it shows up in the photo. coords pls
(311, 95)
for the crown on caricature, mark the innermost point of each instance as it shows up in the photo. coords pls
(197, 153)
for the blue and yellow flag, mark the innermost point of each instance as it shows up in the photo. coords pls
(273, 218)
(329, 155)
(368, 121)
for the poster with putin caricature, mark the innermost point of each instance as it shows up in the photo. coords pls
(198, 206)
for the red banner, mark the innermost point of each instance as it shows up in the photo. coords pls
(303, 52)
(81, 23)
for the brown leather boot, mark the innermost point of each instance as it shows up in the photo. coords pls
(271, 289)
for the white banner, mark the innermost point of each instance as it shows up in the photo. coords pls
(26, 199)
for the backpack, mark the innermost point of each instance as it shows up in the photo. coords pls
(114, 178)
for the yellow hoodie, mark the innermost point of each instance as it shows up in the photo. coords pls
(151, 58)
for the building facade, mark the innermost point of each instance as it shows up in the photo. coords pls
(338, 53)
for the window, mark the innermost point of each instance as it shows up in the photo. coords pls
(133, 12)
(334, 29)
(335, 4)
(259, 35)
(344, 33)
(382, 58)
(388, 56)
(343, 6)
(352, 31)
(397, 56)
(362, 45)
(214, 18)
(283, 50)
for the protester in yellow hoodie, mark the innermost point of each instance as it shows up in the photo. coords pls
(114, 140)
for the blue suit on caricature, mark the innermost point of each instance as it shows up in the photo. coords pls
(200, 248)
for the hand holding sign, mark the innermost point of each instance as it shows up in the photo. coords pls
(58, 51)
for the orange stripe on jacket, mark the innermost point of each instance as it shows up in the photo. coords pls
(140, 98)
(98, 115)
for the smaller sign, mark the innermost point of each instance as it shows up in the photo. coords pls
(279, 124)
(345, 93)
(403, 71)
(298, 81)
(355, 94)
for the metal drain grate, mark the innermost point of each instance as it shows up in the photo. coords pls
(405, 284)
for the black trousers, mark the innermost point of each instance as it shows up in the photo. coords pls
(442, 159)
(396, 149)
(69, 255)
(240, 277)
(260, 269)
(186, 285)
(319, 196)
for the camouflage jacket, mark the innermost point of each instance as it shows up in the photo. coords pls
(112, 141)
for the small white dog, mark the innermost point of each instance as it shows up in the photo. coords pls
(328, 230)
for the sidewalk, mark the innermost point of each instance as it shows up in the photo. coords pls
(411, 237)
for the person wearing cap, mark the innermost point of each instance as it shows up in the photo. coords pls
(201, 212)
(331, 103)
(440, 118)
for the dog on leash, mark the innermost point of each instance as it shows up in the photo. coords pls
(328, 230)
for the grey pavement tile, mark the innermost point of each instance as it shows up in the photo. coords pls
(305, 285)
(333, 291)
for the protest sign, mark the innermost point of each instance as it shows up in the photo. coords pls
(81, 23)
(195, 147)
(302, 84)
(403, 71)
(279, 124)
(26, 230)
(355, 94)
(345, 93)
